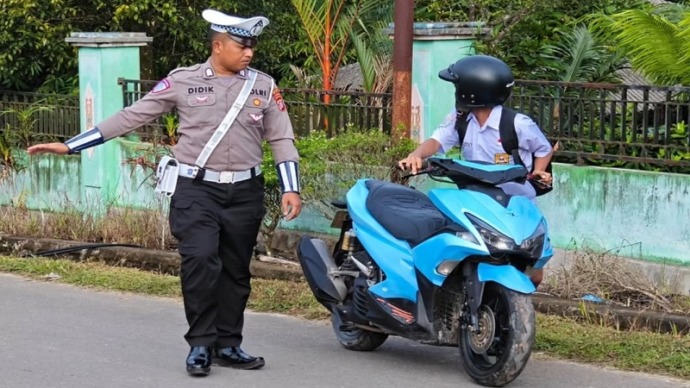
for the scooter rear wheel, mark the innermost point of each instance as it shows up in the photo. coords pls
(497, 353)
(357, 339)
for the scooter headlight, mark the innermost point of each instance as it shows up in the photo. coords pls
(534, 244)
(494, 240)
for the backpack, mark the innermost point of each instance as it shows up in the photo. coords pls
(509, 141)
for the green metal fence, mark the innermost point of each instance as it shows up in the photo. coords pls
(623, 124)
(307, 108)
(51, 115)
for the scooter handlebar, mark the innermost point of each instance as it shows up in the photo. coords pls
(538, 182)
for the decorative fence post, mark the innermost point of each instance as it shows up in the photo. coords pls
(435, 47)
(103, 58)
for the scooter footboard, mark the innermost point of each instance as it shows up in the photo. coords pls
(507, 276)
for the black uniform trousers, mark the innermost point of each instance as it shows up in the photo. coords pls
(217, 225)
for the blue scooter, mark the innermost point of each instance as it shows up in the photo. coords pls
(447, 268)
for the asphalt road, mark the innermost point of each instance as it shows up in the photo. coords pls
(54, 335)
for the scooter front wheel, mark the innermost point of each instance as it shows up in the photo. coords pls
(497, 353)
(357, 339)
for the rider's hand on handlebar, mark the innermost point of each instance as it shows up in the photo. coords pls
(411, 162)
(542, 176)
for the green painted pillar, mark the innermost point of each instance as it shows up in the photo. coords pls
(103, 58)
(435, 47)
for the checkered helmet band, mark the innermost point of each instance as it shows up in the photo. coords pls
(233, 30)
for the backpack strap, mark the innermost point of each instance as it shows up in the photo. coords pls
(506, 128)
(461, 126)
(509, 139)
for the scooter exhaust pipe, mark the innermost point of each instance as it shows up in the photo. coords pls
(321, 272)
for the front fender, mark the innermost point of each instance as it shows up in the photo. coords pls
(507, 276)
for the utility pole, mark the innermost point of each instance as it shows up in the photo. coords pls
(402, 68)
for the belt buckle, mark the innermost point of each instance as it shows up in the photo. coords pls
(226, 177)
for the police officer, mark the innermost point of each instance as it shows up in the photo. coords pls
(482, 84)
(217, 207)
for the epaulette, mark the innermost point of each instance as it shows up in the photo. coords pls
(185, 69)
(261, 73)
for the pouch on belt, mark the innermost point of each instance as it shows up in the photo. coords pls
(166, 176)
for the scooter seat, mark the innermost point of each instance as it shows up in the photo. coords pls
(403, 211)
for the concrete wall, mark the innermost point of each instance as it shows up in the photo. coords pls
(638, 214)
(643, 215)
(53, 183)
(634, 213)
(433, 98)
(48, 182)
(436, 46)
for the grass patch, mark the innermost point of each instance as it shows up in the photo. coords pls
(146, 228)
(95, 275)
(556, 336)
(628, 350)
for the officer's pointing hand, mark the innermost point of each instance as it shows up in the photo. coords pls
(291, 205)
(51, 148)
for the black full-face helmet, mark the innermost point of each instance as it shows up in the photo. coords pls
(480, 81)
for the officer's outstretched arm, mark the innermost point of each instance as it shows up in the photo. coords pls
(90, 138)
(160, 100)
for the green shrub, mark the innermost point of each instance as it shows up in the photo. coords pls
(330, 166)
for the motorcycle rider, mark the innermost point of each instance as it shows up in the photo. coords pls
(482, 84)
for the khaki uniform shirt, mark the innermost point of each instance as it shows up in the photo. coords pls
(202, 100)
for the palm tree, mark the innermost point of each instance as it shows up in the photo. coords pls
(656, 41)
(581, 57)
(328, 25)
(374, 51)
(578, 57)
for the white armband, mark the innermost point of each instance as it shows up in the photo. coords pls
(88, 139)
(288, 175)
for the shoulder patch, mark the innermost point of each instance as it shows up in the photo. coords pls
(278, 99)
(162, 85)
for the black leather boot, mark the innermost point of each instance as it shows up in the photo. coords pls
(236, 358)
(199, 361)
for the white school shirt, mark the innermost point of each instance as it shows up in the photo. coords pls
(483, 144)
